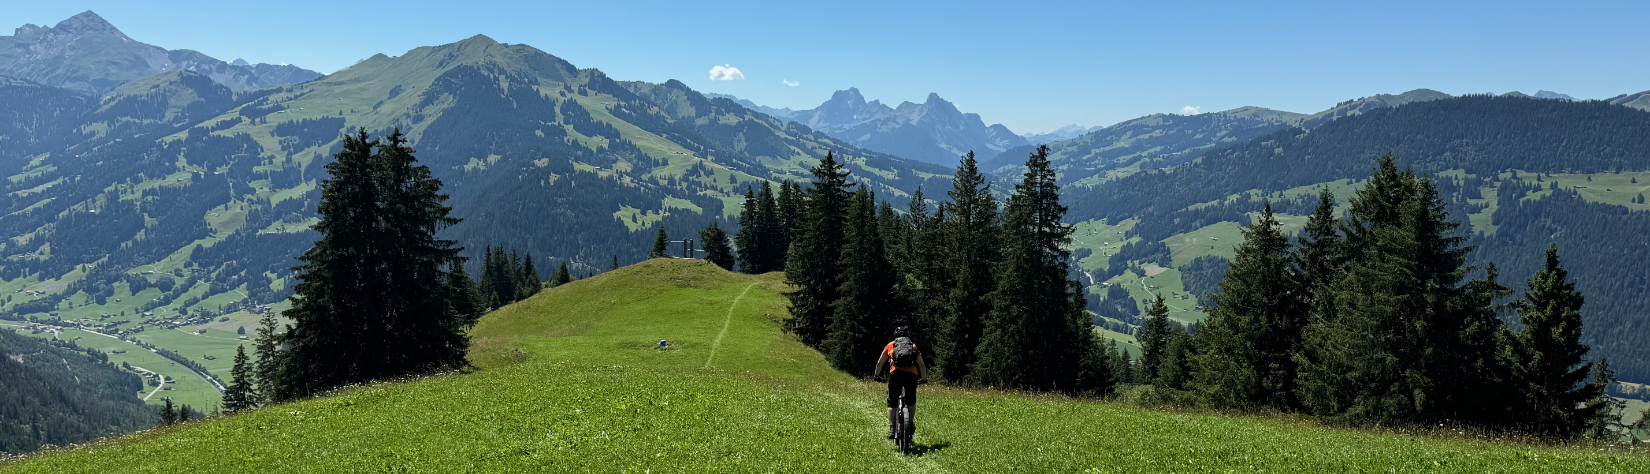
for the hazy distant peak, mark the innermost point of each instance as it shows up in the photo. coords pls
(1546, 94)
(239, 62)
(482, 40)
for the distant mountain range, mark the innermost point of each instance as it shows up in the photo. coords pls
(88, 55)
(933, 131)
(1063, 133)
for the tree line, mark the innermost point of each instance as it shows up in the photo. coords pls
(983, 285)
(1369, 319)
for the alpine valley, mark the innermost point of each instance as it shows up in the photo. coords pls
(155, 199)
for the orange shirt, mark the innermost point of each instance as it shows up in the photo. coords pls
(888, 351)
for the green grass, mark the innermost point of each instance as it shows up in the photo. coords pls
(187, 388)
(1102, 238)
(570, 381)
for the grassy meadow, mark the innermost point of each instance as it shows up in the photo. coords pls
(573, 380)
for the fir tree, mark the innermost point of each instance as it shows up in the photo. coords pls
(749, 236)
(530, 283)
(1125, 365)
(923, 282)
(865, 312)
(615, 263)
(1175, 370)
(812, 265)
(266, 347)
(1547, 357)
(716, 247)
(972, 247)
(1034, 331)
(1153, 337)
(562, 276)
(239, 396)
(1254, 326)
(660, 244)
(185, 413)
(467, 299)
(1398, 337)
(168, 414)
(372, 295)
(770, 250)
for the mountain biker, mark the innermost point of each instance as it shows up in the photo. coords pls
(906, 369)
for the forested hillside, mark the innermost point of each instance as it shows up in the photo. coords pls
(177, 178)
(57, 393)
(1491, 153)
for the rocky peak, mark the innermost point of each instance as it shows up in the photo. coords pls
(87, 22)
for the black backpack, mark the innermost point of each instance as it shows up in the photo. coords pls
(905, 352)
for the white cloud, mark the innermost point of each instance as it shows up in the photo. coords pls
(726, 72)
(1189, 110)
(790, 83)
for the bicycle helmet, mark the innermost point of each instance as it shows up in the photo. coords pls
(900, 332)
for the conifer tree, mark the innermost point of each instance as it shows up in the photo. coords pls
(770, 249)
(715, 241)
(1153, 337)
(1175, 370)
(185, 413)
(168, 414)
(749, 236)
(615, 263)
(1034, 331)
(972, 247)
(1398, 337)
(530, 282)
(865, 312)
(1125, 365)
(923, 282)
(1547, 357)
(239, 394)
(811, 266)
(562, 275)
(660, 244)
(467, 299)
(789, 212)
(267, 368)
(372, 295)
(1254, 326)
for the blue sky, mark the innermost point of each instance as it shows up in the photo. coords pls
(1032, 66)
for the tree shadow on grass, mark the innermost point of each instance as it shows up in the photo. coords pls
(919, 449)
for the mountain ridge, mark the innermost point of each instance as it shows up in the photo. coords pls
(89, 55)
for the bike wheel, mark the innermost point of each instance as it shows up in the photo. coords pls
(907, 429)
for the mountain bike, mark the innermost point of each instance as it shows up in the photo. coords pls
(908, 427)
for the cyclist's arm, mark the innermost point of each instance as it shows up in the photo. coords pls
(882, 362)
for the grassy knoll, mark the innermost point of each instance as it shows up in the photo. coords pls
(570, 380)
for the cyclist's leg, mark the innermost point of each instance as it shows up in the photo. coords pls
(893, 403)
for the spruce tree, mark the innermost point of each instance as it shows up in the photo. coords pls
(1248, 341)
(266, 347)
(1547, 358)
(467, 299)
(185, 413)
(715, 241)
(1399, 336)
(238, 395)
(865, 312)
(1153, 337)
(749, 236)
(1175, 370)
(1125, 365)
(615, 263)
(530, 283)
(562, 276)
(372, 295)
(168, 414)
(789, 213)
(811, 267)
(770, 243)
(972, 247)
(661, 244)
(923, 283)
(1034, 330)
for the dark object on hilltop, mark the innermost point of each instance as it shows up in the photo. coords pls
(715, 241)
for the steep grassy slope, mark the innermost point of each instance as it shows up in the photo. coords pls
(570, 380)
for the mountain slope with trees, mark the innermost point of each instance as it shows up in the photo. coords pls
(1500, 155)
